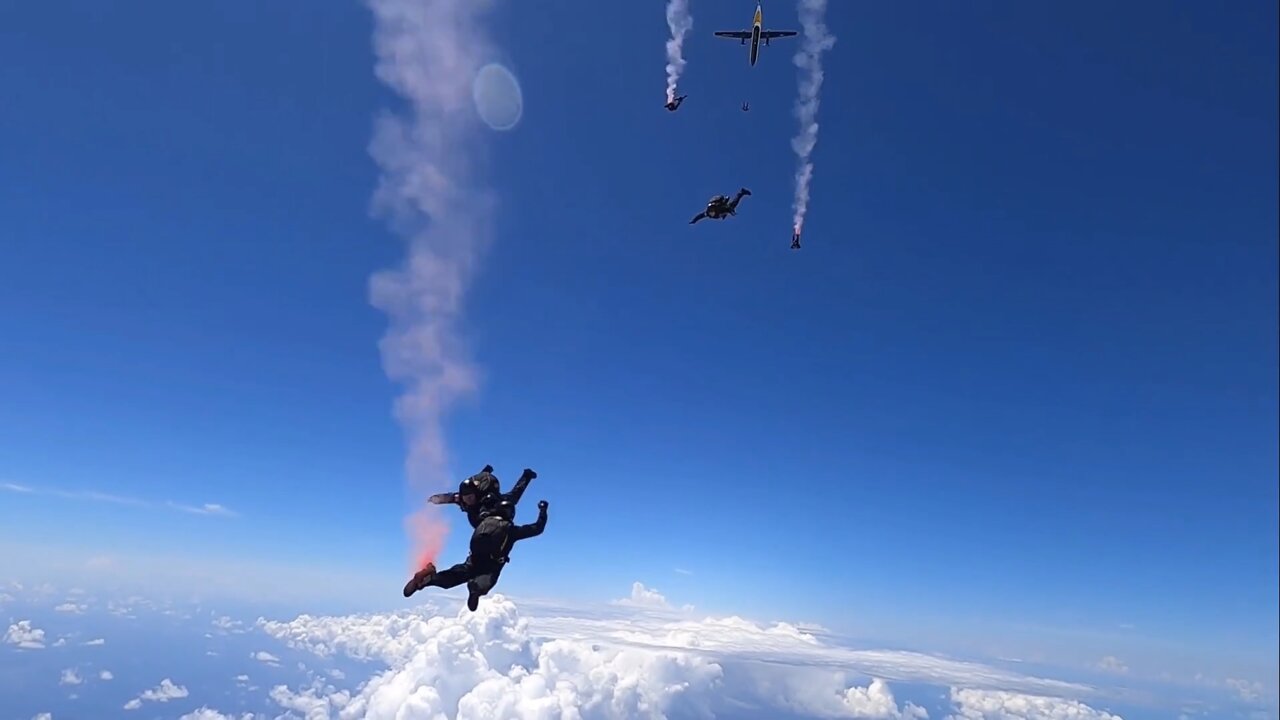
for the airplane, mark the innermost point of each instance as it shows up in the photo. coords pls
(755, 34)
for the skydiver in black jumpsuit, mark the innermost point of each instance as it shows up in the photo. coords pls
(491, 541)
(491, 545)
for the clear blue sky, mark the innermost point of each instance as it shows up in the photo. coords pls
(1023, 370)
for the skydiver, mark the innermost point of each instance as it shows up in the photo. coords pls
(720, 207)
(673, 105)
(746, 107)
(491, 544)
(483, 489)
(795, 240)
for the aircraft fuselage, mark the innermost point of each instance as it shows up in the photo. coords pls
(755, 37)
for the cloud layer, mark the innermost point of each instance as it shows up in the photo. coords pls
(498, 663)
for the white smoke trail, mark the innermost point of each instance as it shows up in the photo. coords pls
(680, 22)
(428, 51)
(808, 58)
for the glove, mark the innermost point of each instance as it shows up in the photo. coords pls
(530, 474)
(487, 468)
(542, 505)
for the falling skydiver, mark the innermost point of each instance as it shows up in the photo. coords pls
(720, 207)
(673, 105)
(491, 544)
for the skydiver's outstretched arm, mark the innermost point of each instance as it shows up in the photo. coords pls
(445, 499)
(697, 217)
(518, 490)
(533, 529)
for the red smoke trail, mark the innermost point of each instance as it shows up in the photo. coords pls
(427, 530)
(431, 195)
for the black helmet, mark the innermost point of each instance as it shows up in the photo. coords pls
(503, 508)
(480, 484)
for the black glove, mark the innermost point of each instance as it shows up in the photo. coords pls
(542, 505)
(487, 468)
(530, 474)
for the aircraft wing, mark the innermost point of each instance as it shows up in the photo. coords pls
(771, 34)
(735, 34)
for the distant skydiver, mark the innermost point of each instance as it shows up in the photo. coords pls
(721, 207)
(746, 107)
(674, 105)
(491, 544)
(795, 240)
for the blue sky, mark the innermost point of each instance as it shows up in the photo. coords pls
(1018, 391)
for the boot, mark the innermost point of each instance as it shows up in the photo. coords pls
(420, 579)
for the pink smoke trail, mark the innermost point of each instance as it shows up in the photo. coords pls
(428, 51)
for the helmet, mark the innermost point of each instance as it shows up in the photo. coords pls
(504, 509)
(481, 484)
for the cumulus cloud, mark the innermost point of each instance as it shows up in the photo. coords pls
(105, 675)
(266, 657)
(1245, 690)
(646, 663)
(972, 704)
(206, 713)
(644, 597)
(164, 692)
(43, 716)
(226, 625)
(70, 677)
(70, 607)
(24, 636)
(1112, 664)
(96, 641)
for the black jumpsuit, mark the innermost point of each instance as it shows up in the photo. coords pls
(491, 543)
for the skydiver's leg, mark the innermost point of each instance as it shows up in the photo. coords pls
(454, 576)
(482, 584)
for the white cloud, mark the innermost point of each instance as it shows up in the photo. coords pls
(70, 677)
(25, 636)
(682, 571)
(242, 679)
(106, 675)
(498, 663)
(205, 509)
(164, 692)
(43, 716)
(60, 642)
(1245, 690)
(266, 657)
(206, 713)
(1112, 664)
(70, 607)
(971, 704)
(226, 625)
(95, 496)
(96, 641)
(643, 597)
